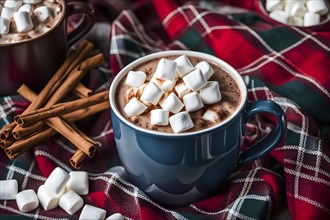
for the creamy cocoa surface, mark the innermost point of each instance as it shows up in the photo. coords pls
(39, 28)
(229, 89)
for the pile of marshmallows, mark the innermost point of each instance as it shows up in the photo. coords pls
(192, 92)
(21, 12)
(60, 188)
(297, 12)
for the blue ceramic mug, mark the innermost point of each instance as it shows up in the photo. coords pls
(179, 169)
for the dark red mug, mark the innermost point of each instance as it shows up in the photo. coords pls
(34, 61)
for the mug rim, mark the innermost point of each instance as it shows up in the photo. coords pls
(64, 8)
(229, 69)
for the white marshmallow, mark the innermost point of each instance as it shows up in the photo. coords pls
(8, 189)
(134, 107)
(71, 202)
(319, 7)
(47, 198)
(297, 21)
(184, 65)
(273, 5)
(181, 122)
(57, 180)
(116, 216)
(206, 69)
(166, 69)
(210, 93)
(78, 182)
(165, 85)
(7, 13)
(92, 212)
(171, 103)
(23, 21)
(192, 102)
(181, 89)
(280, 16)
(27, 200)
(311, 19)
(298, 9)
(152, 93)
(159, 117)
(210, 115)
(4, 25)
(32, 1)
(135, 78)
(195, 80)
(26, 7)
(42, 13)
(15, 4)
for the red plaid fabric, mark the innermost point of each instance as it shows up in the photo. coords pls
(288, 65)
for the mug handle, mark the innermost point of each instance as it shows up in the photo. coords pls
(87, 21)
(271, 140)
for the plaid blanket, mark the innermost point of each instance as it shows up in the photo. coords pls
(288, 65)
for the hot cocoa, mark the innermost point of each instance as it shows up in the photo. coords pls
(204, 110)
(22, 20)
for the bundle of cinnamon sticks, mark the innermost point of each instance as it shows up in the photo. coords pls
(48, 114)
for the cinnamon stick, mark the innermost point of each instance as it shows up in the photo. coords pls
(7, 142)
(77, 159)
(47, 112)
(32, 140)
(6, 130)
(72, 80)
(82, 91)
(77, 115)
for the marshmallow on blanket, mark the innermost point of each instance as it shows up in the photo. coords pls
(71, 202)
(319, 7)
(171, 103)
(152, 93)
(181, 122)
(166, 69)
(78, 182)
(206, 69)
(159, 117)
(42, 13)
(92, 212)
(27, 200)
(116, 216)
(210, 115)
(195, 80)
(23, 21)
(135, 78)
(4, 25)
(134, 107)
(311, 19)
(47, 198)
(8, 189)
(192, 102)
(57, 180)
(210, 94)
(184, 65)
